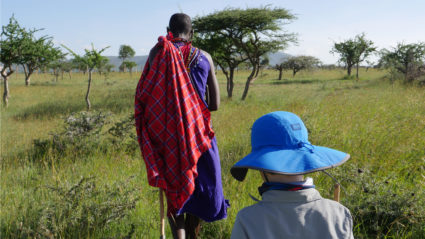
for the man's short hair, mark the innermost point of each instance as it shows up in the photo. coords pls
(180, 23)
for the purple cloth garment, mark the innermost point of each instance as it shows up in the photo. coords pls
(207, 201)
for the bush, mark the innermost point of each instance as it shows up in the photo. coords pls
(347, 77)
(124, 136)
(383, 207)
(83, 135)
(78, 211)
(80, 135)
(85, 124)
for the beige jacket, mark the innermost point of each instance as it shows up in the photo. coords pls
(294, 214)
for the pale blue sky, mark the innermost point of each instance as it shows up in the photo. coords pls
(77, 23)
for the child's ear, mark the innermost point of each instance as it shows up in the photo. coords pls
(168, 30)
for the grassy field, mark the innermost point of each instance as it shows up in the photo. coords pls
(103, 192)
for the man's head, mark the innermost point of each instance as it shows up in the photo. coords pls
(180, 25)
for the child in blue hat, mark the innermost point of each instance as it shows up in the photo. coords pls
(290, 207)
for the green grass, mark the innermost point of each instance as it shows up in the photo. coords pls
(381, 125)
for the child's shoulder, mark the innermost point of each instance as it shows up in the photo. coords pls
(334, 204)
(250, 210)
(332, 208)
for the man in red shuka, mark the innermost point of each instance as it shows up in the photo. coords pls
(174, 97)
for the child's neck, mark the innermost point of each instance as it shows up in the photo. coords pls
(279, 178)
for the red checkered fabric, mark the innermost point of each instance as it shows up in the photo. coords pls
(173, 124)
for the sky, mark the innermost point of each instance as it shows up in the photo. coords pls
(138, 23)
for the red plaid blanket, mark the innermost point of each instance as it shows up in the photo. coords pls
(172, 123)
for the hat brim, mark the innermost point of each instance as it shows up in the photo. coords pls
(289, 161)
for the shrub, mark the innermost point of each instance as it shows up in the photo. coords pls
(78, 211)
(123, 135)
(347, 77)
(85, 123)
(383, 207)
(83, 135)
(80, 135)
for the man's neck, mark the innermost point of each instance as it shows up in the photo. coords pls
(185, 37)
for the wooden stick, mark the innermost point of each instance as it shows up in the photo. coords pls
(337, 189)
(161, 213)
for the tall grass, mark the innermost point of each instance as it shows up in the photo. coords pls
(381, 125)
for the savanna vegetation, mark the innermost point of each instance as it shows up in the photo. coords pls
(70, 173)
(71, 166)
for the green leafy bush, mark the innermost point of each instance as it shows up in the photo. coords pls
(384, 207)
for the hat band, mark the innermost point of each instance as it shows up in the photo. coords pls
(307, 145)
(299, 145)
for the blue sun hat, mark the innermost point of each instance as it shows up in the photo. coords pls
(280, 145)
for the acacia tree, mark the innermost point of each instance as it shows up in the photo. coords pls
(221, 48)
(66, 66)
(93, 60)
(353, 51)
(280, 68)
(12, 37)
(106, 68)
(37, 53)
(261, 33)
(364, 49)
(129, 65)
(347, 52)
(263, 64)
(407, 59)
(60, 66)
(253, 32)
(125, 52)
(101, 67)
(298, 63)
(79, 66)
(55, 68)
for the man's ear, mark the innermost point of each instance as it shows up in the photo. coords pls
(191, 33)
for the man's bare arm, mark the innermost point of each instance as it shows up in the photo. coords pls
(152, 54)
(212, 83)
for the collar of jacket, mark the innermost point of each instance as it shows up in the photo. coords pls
(300, 196)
